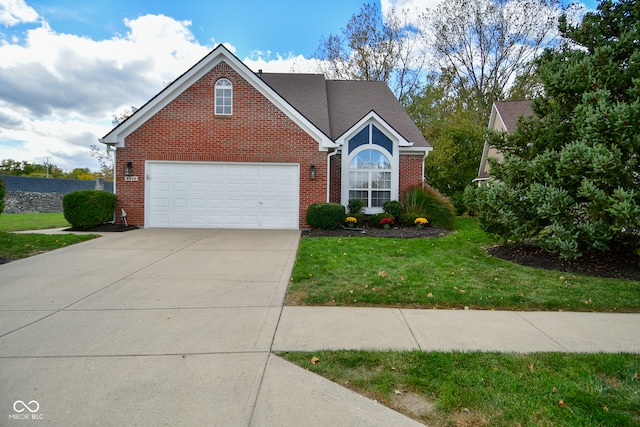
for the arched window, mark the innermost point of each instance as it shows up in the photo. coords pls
(370, 178)
(223, 97)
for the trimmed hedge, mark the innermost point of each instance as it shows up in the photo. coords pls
(86, 209)
(325, 216)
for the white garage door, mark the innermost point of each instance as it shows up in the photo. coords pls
(221, 195)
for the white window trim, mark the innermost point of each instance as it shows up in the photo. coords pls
(222, 84)
(347, 158)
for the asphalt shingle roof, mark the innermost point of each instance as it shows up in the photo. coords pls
(334, 106)
(511, 111)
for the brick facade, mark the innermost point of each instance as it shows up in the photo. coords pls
(188, 130)
(411, 173)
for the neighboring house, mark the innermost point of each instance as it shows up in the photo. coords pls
(224, 147)
(504, 117)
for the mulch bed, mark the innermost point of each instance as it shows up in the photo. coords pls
(395, 232)
(617, 263)
(106, 228)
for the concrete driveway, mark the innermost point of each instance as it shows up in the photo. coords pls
(161, 327)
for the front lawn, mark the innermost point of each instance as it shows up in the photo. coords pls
(16, 246)
(448, 272)
(491, 389)
(32, 221)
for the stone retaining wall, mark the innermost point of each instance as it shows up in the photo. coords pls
(27, 202)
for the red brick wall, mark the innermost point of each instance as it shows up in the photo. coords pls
(188, 130)
(336, 179)
(410, 172)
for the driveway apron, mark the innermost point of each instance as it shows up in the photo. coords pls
(139, 328)
(161, 327)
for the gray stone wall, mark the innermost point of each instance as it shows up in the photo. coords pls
(27, 202)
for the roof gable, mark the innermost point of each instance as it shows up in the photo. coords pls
(505, 114)
(218, 55)
(350, 100)
(336, 106)
(325, 109)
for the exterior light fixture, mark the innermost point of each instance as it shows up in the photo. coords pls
(312, 172)
(128, 169)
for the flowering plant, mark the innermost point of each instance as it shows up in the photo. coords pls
(351, 219)
(384, 221)
(420, 221)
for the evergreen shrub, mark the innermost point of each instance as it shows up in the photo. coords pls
(393, 207)
(325, 216)
(86, 209)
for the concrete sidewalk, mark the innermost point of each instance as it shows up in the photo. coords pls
(177, 327)
(316, 328)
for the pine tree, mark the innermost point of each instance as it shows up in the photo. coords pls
(570, 178)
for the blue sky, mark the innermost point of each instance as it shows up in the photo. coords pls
(68, 66)
(282, 26)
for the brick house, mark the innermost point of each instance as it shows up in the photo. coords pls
(224, 147)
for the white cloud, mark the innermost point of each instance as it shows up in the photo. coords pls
(14, 12)
(416, 7)
(270, 62)
(58, 92)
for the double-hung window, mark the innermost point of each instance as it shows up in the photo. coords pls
(223, 97)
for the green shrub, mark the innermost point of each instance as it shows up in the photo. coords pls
(355, 206)
(325, 216)
(2, 194)
(408, 219)
(431, 204)
(374, 220)
(393, 207)
(86, 209)
(470, 199)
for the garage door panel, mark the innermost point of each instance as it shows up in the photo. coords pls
(222, 195)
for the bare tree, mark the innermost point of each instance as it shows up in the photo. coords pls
(374, 47)
(105, 159)
(488, 43)
(124, 115)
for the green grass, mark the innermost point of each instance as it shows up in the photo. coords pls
(448, 272)
(17, 246)
(491, 389)
(32, 221)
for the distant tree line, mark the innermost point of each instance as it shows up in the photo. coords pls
(36, 170)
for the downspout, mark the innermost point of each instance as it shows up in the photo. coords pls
(424, 159)
(336, 151)
(115, 180)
